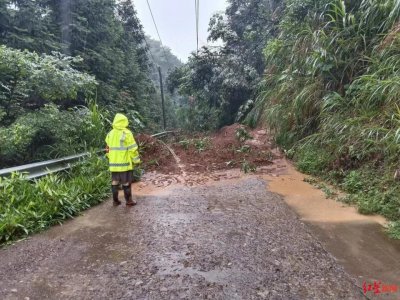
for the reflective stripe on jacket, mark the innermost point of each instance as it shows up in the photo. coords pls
(123, 151)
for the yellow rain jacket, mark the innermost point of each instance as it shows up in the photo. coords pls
(123, 151)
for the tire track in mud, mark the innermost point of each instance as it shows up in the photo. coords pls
(178, 162)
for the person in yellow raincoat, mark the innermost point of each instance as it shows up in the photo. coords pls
(123, 155)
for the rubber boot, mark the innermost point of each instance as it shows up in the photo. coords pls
(128, 195)
(114, 189)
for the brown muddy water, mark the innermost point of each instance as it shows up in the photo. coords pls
(357, 241)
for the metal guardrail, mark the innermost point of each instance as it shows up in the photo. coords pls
(39, 169)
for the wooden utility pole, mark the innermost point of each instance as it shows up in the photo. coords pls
(162, 97)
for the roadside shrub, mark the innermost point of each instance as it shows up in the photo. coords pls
(374, 191)
(201, 144)
(242, 134)
(27, 207)
(330, 94)
(394, 230)
(50, 133)
(312, 160)
(368, 202)
(352, 183)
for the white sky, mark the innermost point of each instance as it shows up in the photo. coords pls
(176, 22)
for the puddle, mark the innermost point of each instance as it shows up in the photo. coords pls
(357, 241)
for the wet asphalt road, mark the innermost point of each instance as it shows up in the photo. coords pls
(234, 240)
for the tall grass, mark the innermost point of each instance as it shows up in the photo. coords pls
(331, 94)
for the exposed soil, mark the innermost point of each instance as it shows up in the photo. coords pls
(219, 158)
(155, 156)
(206, 153)
(223, 150)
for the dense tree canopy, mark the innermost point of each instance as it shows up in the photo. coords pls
(106, 34)
(29, 81)
(70, 54)
(223, 79)
(33, 90)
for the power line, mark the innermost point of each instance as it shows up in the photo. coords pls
(159, 37)
(197, 12)
(154, 21)
(159, 68)
(149, 49)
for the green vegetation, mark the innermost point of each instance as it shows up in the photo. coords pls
(28, 207)
(247, 167)
(368, 185)
(50, 132)
(242, 135)
(219, 84)
(312, 161)
(33, 123)
(199, 144)
(244, 149)
(65, 69)
(29, 81)
(105, 34)
(63, 63)
(322, 75)
(185, 144)
(328, 191)
(335, 102)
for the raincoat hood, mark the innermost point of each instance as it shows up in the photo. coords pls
(120, 122)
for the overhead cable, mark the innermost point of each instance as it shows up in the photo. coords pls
(197, 13)
(149, 49)
(159, 37)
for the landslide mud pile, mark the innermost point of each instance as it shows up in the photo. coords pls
(155, 156)
(231, 147)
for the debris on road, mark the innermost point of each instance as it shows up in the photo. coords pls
(234, 146)
(155, 156)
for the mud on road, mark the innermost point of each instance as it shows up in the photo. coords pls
(228, 240)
